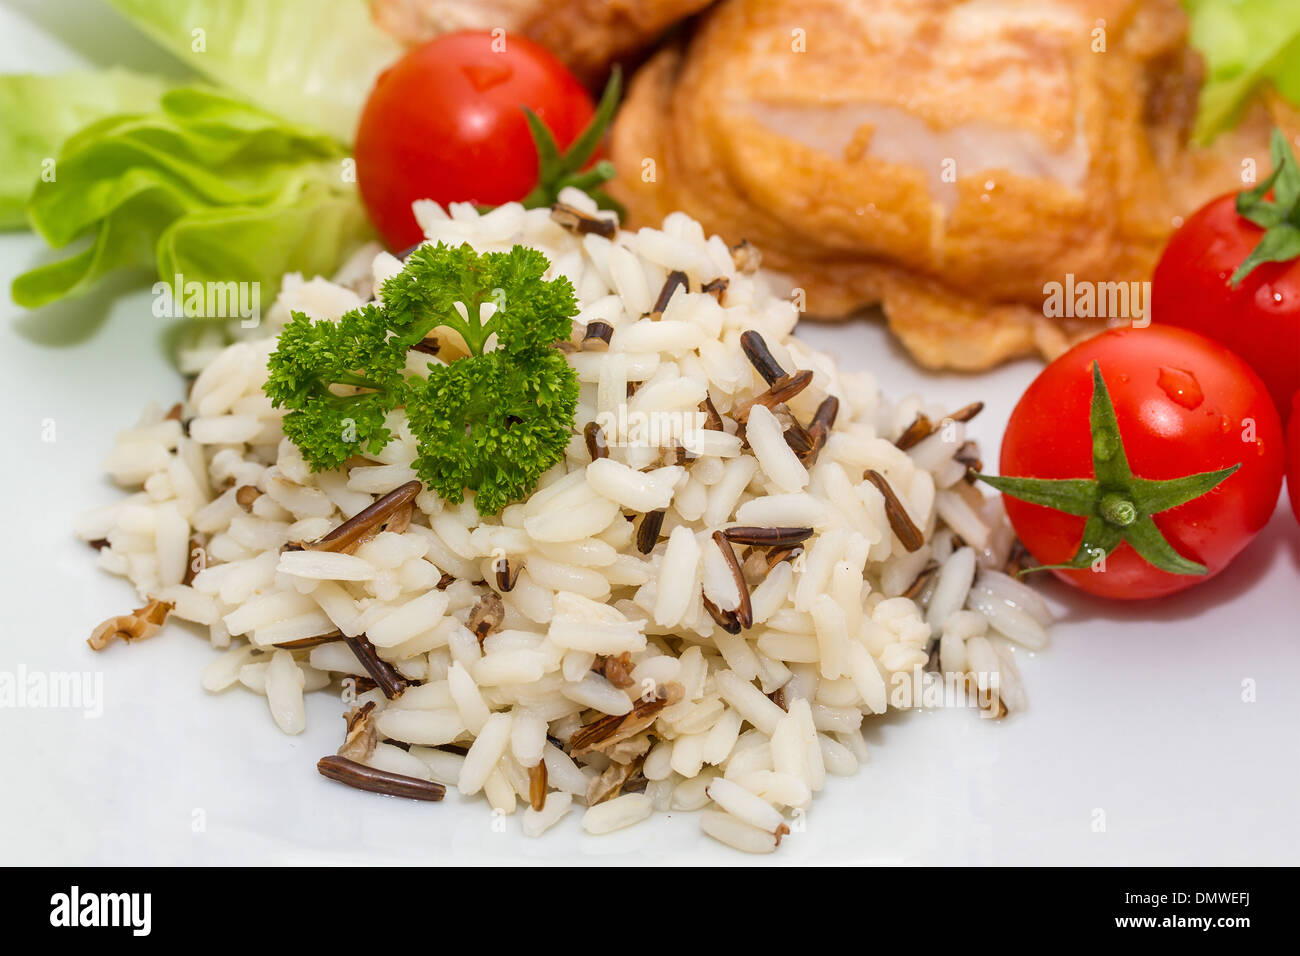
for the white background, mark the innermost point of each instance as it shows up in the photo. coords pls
(1135, 711)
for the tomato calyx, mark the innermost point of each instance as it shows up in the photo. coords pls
(1279, 217)
(558, 170)
(1117, 504)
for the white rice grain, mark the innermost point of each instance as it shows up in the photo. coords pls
(484, 753)
(783, 510)
(677, 577)
(775, 457)
(284, 693)
(954, 581)
(556, 807)
(599, 694)
(743, 805)
(756, 708)
(474, 712)
(325, 566)
(429, 728)
(736, 833)
(624, 811)
(404, 622)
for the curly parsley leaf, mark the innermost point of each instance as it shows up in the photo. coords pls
(524, 310)
(492, 422)
(532, 313)
(339, 380)
(329, 433)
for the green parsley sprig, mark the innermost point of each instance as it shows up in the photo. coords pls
(493, 421)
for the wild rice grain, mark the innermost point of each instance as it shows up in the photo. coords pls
(350, 531)
(760, 356)
(743, 608)
(577, 221)
(900, 522)
(595, 438)
(361, 777)
(597, 336)
(676, 280)
(537, 787)
(385, 675)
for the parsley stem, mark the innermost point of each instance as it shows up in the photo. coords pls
(345, 400)
(357, 381)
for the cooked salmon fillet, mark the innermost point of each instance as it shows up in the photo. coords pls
(945, 159)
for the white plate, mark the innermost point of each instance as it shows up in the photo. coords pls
(1156, 733)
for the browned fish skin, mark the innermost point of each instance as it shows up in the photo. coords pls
(942, 158)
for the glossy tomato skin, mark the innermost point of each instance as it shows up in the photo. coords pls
(1183, 404)
(1293, 456)
(446, 123)
(1259, 319)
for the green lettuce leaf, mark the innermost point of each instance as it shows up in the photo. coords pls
(309, 61)
(1244, 43)
(38, 113)
(206, 187)
(310, 227)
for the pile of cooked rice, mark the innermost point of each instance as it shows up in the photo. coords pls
(745, 553)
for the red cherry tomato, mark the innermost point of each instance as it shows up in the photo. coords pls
(446, 122)
(1259, 319)
(1184, 405)
(1293, 456)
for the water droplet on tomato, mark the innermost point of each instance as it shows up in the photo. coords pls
(485, 77)
(1225, 424)
(1181, 387)
(1274, 300)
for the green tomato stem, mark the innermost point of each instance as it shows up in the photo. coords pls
(1118, 510)
(1118, 505)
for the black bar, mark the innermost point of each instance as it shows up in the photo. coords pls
(1002, 909)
